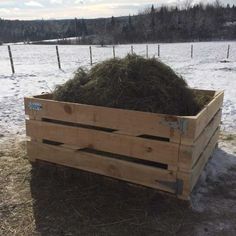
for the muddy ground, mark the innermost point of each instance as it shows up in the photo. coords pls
(49, 200)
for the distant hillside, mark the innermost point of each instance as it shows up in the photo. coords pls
(197, 23)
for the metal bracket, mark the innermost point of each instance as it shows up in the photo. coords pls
(180, 124)
(183, 125)
(176, 186)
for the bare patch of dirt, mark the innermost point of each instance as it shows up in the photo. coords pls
(45, 199)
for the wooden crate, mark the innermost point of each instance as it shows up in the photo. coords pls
(155, 150)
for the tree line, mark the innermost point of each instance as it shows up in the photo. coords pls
(197, 22)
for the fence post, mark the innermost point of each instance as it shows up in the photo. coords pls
(114, 52)
(191, 51)
(58, 58)
(91, 55)
(132, 49)
(11, 59)
(146, 51)
(159, 50)
(228, 51)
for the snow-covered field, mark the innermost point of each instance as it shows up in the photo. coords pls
(37, 72)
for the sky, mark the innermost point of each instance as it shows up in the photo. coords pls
(64, 9)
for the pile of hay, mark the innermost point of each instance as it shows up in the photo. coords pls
(131, 83)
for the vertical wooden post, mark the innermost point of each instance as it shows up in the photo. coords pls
(114, 52)
(132, 49)
(191, 51)
(228, 51)
(91, 56)
(58, 58)
(146, 51)
(76, 32)
(158, 50)
(11, 59)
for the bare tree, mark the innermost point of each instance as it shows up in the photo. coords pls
(187, 4)
(217, 4)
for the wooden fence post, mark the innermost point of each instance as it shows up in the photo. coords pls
(114, 52)
(58, 58)
(91, 56)
(11, 59)
(191, 51)
(158, 50)
(132, 49)
(228, 51)
(146, 51)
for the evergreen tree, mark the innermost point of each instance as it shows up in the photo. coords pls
(84, 28)
(153, 23)
(196, 22)
(113, 22)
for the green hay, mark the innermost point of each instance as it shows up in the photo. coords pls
(202, 99)
(132, 83)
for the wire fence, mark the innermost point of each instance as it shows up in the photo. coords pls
(143, 50)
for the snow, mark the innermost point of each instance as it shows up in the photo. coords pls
(61, 39)
(215, 189)
(37, 72)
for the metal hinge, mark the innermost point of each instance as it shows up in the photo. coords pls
(176, 186)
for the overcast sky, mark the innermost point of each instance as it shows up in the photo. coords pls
(60, 9)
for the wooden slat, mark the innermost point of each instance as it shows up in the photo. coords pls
(206, 92)
(190, 154)
(151, 150)
(197, 170)
(119, 169)
(196, 124)
(206, 135)
(190, 178)
(205, 116)
(126, 121)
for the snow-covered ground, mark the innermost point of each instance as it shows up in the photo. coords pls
(37, 72)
